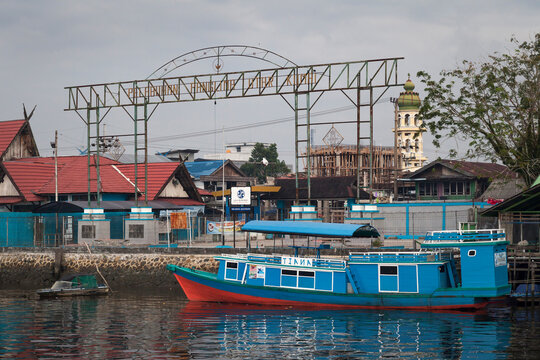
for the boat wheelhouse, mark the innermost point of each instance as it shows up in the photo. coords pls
(426, 279)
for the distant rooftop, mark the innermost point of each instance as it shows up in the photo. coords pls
(130, 158)
(203, 168)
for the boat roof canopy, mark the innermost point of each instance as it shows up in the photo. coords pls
(311, 228)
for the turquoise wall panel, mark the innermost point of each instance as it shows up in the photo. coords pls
(323, 280)
(407, 278)
(306, 282)
(241, 269)
(289, 281)
(477, 270)
(366, 277)
(17, 229)
(231, 274)
(340, 283)
(388, 283)
(428, 278)
(272, 276)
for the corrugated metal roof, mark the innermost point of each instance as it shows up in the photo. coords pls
(34, 177)
(467, 169)
(480, 169)
(8, 130)
(203, 168)
(310, 228)
(28, 176)
(526, 201)
(336, 187)
(73, 177)
(158, 175)
(204, 192)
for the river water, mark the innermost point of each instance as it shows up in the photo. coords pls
(129, 326)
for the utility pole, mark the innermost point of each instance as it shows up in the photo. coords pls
(223, 189)
(56, 165)
(396, 160)
(55, 147)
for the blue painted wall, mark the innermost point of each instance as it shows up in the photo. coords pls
(429, 278)
(16, 229)
(273, 276)
(365, 276)
(323, 280)
(407, 278)
(480, 270)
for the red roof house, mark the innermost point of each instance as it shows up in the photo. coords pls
(16, 140)
(33, 180)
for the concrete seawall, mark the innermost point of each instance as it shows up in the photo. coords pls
(125, 269)
(128, 271)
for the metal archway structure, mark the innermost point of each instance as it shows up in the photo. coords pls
(219, 52)
(140, 98)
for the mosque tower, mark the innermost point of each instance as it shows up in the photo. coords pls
(409, 134)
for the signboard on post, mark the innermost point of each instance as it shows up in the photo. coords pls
(240, 195)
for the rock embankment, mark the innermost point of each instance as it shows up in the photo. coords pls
(24, 270)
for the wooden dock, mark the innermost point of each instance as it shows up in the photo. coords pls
(523, 269)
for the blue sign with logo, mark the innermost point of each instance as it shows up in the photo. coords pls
(240, 208)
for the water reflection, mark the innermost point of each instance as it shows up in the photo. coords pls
(154, 327)
(333, 334)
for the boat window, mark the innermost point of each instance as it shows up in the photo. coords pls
(232, 265)
(307, 273)
(388, 270)
(472, 253)
(289, 272)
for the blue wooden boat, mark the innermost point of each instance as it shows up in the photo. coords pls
(427, 279)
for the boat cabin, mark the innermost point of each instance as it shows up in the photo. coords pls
(432, 270)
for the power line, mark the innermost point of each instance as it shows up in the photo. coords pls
(246, 126)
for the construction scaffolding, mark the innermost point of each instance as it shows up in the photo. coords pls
(344, 160)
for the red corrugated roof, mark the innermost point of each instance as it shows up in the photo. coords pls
(35, 176)
(8, 130)
(204, 192)
(73, 176)
(158, 175)
(28, 176)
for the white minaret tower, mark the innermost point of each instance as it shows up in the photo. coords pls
(409, 134)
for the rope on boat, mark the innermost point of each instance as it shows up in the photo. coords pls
(97, 268)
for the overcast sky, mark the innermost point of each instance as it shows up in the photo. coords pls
(47, 45)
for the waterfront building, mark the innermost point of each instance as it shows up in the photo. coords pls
(456, 180)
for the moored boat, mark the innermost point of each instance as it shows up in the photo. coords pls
(427, 279)
(74, 285)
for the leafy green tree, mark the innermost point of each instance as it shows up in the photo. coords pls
(494, 105)
(264, 162)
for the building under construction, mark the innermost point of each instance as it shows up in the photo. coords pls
(343, 160)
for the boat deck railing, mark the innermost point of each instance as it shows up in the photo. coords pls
(460, 236)
(276, 260)
(398, 257)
